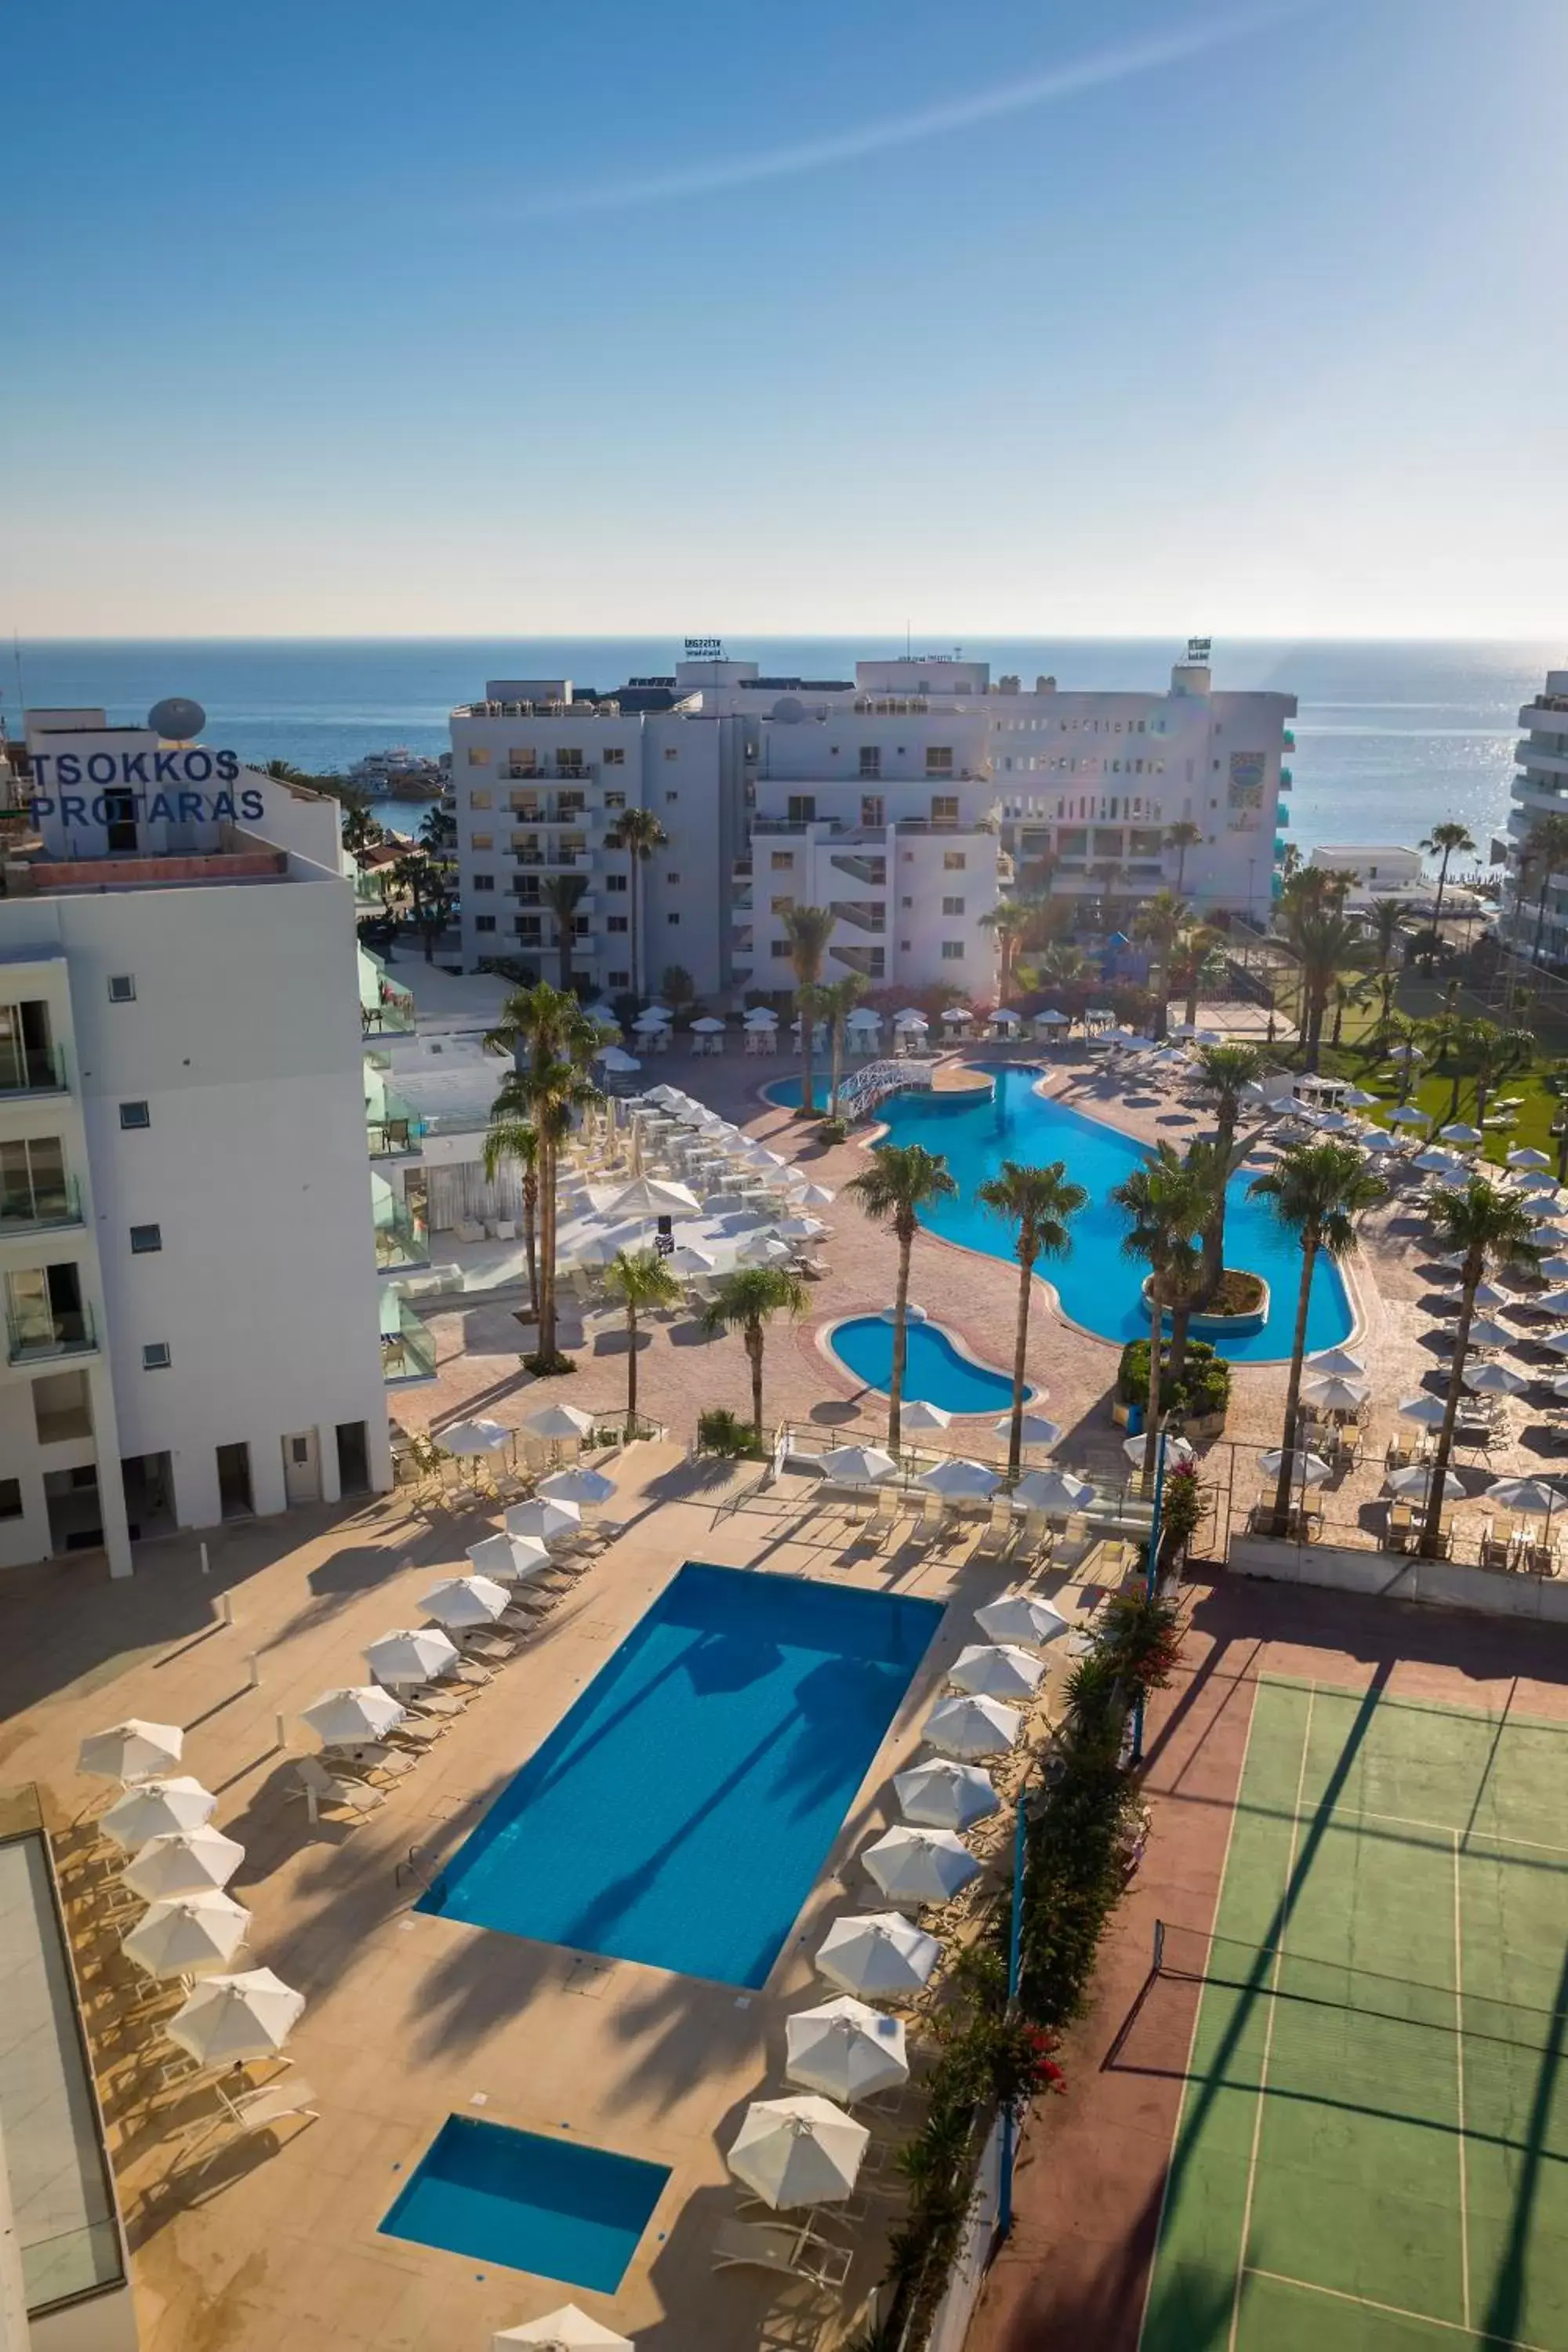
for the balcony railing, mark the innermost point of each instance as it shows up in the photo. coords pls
(46, 1208)
(402, 1239)
(33, 1335)
(565, 770)
(408, 1353)
(32, 1070)
(394, 1131)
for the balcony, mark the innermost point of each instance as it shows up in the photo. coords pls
(38, 1334)
(1286, 780)
(401, 1239)
(408, 1349)
(1548, 751)
(1282, 818)
(741, 905)
(386, 1008)
(870, 962)
(554, 860)
(45, 1208)
(394, 1129)
(1289, 739)
(546, 809)
(563, 772)
(31, 1070)
(870, 871)
(864, 913)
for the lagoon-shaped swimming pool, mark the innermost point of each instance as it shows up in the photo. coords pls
(935, 1371)
(1099, 1288)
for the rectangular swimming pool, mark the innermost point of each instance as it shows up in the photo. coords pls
(534, 2204)
(680, 1812)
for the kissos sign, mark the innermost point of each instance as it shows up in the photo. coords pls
(169, 782)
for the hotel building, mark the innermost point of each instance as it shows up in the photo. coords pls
(1540, 790)
(191, 1283)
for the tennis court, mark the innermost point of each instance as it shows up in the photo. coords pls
(1372, 2149)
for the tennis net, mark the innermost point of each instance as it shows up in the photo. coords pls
(1274, 1972)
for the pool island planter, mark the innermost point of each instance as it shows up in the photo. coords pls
(1207, 1325)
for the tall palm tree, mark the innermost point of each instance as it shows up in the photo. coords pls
(1443, 841)
(1326, 943)
(1011, 919)
(1161, 922)
(1224, 1073)
(1169, 1201)
(511, 1135)
(903, 1180)
(562, 894)
(835, 1000)
(1482, 1224)
(1386, 917)
(1317, 1191)
(643, 1282)
(746, 1301)
(361, 830)
(1547, 845)
(639, 833)
(1108, 874)
(1182, 837)
(1197, 960)
(1496, 1055)
(808, 931)
(1041, 1202)
(1059, 965)
(552, 1044)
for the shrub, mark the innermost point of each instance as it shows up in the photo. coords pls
(1203, 1388)
(719, 1431)
(832, 1131)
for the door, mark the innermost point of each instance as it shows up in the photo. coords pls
(354, 1458)
(234, 1481)
(301, 1469)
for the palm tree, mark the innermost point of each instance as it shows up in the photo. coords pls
(1225, 1072)
(1108, 874)
(1482, 1224)
(1040, 1201)
(807, 929)
(1011, 919)
(1169, 1201)
(1060, 965)
(639, 833)
(1496, 1055)
(1197, 960)
(903, 1179)
(1317, 1191)
(837, 1000)
(562, 894)
(1554, 1080)
(1547, 845)
(1162, 922)
(361, 830)
(642, 1281)
(1443, 841)
(1182, 837)
(511, 1135)
(552, 1044)
(439, 832)
(1326, 943)
(746, 1301)
(1386, 917)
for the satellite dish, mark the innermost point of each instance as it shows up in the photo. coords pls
(790, 709)
(176, 718)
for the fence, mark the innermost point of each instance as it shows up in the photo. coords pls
(864, 1088)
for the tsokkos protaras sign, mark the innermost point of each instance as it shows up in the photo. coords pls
(164, 787)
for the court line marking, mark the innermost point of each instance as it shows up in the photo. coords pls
(1197, 2020)
(1397, 2311)
(1445, 1829)
(1268, 2038)
(1460, 2079)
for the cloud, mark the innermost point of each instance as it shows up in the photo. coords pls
(1095, 71)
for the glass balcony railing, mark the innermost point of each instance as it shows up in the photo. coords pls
(408, 1349)
(34, 1334)
(402, 1239)
(31, 1069)
(41, 1209)
(1286, 780)
(394, 1129)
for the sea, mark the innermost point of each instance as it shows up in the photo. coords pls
(1390, 738)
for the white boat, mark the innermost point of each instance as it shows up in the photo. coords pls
(398, 774)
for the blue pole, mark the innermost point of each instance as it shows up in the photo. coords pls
(1152, 1575)
(1014, 1954)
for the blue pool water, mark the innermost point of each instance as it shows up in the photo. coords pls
(680, 1812)
(1099, 1288)
(934, 1370)
(534, 2204)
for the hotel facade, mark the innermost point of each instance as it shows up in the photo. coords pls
(1540, 790)
(192, 1297)
(909, 800)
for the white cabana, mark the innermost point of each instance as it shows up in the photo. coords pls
(188, 1935)
(997, 1670)
(971, 1727)
(878, 1955)
(944, 1795)
(912, 1864)
(133, 1750)
(415, 1655)
(230, 2017)
(358, 1713)
(798, 2151)
(464, 1602)
(182, 1862)
(151, 1809)
(1021, 1617)
(844, 2050)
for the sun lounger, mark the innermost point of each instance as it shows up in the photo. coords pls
(363, 1762)
(319, 1787)
(779, 2247)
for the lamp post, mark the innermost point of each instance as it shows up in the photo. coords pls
(1150, 1574)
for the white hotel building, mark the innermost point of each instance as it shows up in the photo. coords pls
(1541, 790)
(191, 1287)
(908, 800)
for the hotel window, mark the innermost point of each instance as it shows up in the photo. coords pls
(672, 919)
(870, 759)
(778, 949)
(873, 810)
(570, 758)
(781, 861)
(616, 801)
(121, 988)
(673, 880)
(780, 906)
(484, 922)
(938, 758)
(952, 950)
(156, 1356)
(952, 906)
(479, 756)
(478, 800)
(801, 808)
(615, 922)
(671, 796)
(612, 756)
(954, 861)
(482, 841)
(145, 1240)
(523, 759)
(484, 881)
(614, 881)
(944, 808)
(671, 751)
(135, 1114)
(620, 980)
(906, 902)
(10, 1498)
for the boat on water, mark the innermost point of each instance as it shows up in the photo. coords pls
(399, 775)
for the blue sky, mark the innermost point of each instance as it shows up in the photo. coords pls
(1103, 319)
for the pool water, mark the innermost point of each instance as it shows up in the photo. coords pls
(935, 1371)
(680, 1810)
(551, 2206)
(1099, 1288)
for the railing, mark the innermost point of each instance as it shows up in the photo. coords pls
(1111, 1505)
(395, 1131)
(46, 1206)
(863, 1088)
(409, 1352)
(32, 1070)
(402, 1239)
(32, 1339)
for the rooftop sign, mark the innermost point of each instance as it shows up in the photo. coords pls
(704, 648)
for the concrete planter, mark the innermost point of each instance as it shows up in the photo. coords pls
(1215, 1327)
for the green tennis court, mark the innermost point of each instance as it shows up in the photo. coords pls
(1372, 2149)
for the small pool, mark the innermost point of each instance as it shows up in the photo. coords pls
(680, 1810)
(551, 2206)
(936, 1372)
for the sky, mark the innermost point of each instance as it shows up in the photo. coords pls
(1099, 317)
